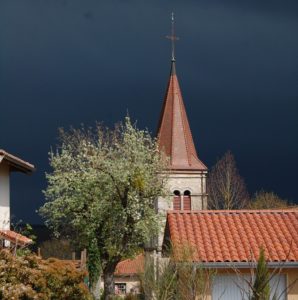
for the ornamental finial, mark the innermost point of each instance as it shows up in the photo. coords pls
(172, 37)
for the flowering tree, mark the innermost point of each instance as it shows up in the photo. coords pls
(102, 194)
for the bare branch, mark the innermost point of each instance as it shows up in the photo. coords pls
(226, 188)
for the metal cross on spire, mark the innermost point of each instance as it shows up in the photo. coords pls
(172, 37)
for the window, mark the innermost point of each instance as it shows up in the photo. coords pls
(177, 200)
(234, 287)
(120, 288)
(186, 200)
(230, 287)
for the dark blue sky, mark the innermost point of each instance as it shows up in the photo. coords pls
(66, 62)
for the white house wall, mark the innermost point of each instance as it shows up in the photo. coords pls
(4, 197)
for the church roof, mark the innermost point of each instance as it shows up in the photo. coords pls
(174, 134)
(230, 236)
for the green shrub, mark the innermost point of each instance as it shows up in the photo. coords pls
(261, 288)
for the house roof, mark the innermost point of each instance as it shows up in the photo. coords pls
(174, 134)
(130, 267)
(16, 163)
(15, 238)
(235, 235)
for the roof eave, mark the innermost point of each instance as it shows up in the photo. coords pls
(192, 169)
(123, 275)
(17, 239)
(16, 163)
(246, 265)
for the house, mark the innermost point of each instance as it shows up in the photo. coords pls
(228, 241)
(10, 163)
(127, 275)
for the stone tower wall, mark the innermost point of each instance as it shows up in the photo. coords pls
(195, 183)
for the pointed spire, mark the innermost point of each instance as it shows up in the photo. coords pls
(174, 134)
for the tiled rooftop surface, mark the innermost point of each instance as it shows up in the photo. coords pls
(174, 134)
(130, 266)
(235, 236)
(14, 237)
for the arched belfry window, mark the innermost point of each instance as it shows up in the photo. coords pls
(186, 200)
(177, 200)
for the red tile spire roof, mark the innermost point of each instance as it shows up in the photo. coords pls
(174, 134)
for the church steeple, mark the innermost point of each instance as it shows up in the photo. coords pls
(186, 184)
(174, 134)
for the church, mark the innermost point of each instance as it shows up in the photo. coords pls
(224, 241)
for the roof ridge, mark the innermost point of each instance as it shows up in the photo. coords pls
(184, 130)
(234, 211)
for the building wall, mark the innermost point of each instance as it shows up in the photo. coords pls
(4, 197)
(194, 182)
(292, 283)
(132, 283)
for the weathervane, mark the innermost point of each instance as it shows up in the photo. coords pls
(172, 37)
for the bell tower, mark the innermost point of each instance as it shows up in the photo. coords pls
(187, 173)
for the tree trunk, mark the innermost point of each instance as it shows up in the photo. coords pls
(95, 289)
(109, 284)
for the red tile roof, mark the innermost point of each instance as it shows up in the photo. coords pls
(130, 267)
(174, 134)
(235, 236)
(14, 237)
